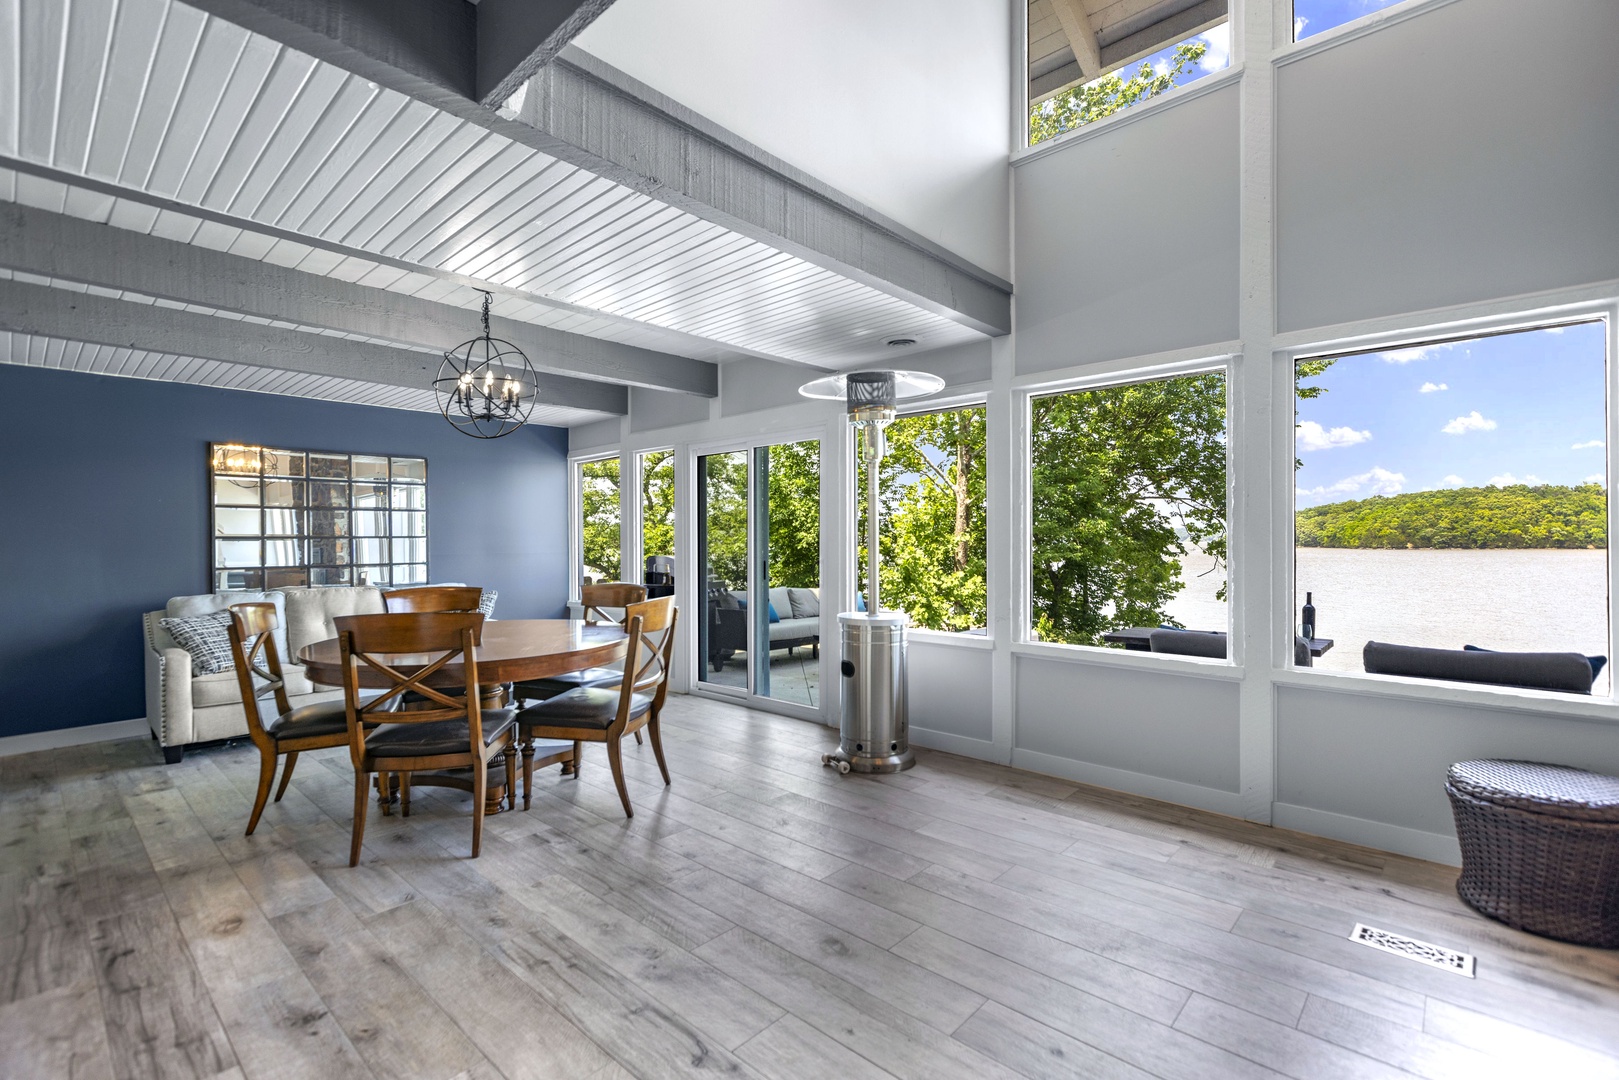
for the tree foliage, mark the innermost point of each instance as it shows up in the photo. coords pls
(598, 481)
(1081, 105)
(1543, 516)
(1123, 478)
(658, 502)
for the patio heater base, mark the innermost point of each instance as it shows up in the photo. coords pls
(875, 733)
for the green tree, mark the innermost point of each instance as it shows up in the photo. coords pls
(598, 481)
(725, 479)
(795, 514)
(658, 502)
(1081, 105)
(1543, 516)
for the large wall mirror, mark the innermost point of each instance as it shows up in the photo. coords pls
(285, 518)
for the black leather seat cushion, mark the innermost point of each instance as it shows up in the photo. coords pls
(435, 737)
(309, 721)
(592, 708)
(561, 684)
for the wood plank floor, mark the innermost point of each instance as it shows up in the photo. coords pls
(762, 917)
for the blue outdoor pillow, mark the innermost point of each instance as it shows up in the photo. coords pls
(860, 601)
(1597, 662)
(773, 616)
(742, 602)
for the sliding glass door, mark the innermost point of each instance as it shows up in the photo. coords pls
(759, 547)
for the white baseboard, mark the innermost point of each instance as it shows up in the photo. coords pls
(1152, 787)
(74, 736)
(965, 745)
(1434, 847)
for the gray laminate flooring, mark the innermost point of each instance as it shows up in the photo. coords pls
(762, 917)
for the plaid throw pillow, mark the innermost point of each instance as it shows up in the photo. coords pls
(206, 638)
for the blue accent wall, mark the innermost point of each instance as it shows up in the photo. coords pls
(104, 515)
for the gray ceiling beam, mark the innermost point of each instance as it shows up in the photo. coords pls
(97, 320)
(478, 52)
(61, 246)
(587, 113)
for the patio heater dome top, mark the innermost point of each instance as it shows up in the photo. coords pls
(868, 389)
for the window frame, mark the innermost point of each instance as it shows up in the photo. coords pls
(1101, 378)
(1507, 320)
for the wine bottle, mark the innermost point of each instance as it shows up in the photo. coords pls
(1309, 616)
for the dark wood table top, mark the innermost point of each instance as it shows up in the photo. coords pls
(512, 650)
(1139, 638)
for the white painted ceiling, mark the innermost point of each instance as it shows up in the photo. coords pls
(160, 99)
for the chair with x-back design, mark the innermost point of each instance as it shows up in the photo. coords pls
(408, 650)
(606, 714)
(599, 601)
(252, 631)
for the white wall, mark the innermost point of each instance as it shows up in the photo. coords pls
(1127, 242)
(1466, 154)
(903, 104)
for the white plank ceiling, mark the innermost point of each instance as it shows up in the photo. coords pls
(160, 99)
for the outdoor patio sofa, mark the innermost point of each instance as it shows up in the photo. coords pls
(797, 622)
(1569, 672)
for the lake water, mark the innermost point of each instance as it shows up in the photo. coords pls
(1537, 600)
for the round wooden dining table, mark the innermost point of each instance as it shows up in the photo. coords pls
(509, 651)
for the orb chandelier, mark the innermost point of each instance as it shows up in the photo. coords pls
(486, 387)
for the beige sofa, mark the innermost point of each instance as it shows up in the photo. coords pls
(184, 709)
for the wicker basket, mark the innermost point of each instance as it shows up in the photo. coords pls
(1540, 847)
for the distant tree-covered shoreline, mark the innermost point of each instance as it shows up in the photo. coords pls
(1520, 516)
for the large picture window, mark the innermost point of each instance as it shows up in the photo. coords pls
(1089, 59)
(287, 518)
(933, 525)
(1128, 513)
(1453, 496)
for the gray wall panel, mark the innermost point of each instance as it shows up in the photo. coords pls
(604, 434)
(654, 409)
(950, 689)
(1465, 154)
(1166, 725)
(1127, 241)
(1384, 760)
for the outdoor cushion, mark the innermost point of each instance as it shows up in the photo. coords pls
(206, 637)
(1208, 643)
(591, 707)
(1569, 672)
(321, 718)
(806, 605)
(1597, 662)
(435, 737)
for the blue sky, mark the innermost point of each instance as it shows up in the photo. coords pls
(1515, 408)
(1313, 16)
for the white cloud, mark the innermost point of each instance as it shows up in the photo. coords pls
(1218, 55)
(1432, 387)
(1555, 329)
(1375, 481)
(1589, 444)
(1299, 23)
(1471, 422)
(1596, 478)
(1416, 352)
(1312, 436)
(1455, 481)
(1507, 480)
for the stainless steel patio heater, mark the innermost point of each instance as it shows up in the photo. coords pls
(875, 736)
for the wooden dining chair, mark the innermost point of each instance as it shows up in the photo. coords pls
(606, 714)
(432, 598)
(452, 733)
(596, 600)
(258, 673)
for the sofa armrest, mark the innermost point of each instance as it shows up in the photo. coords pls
(168, 685)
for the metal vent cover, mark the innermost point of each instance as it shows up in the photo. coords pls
(1422, 952)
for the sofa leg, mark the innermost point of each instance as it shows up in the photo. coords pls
(173, 754)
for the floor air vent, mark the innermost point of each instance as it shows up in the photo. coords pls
(1421, 951)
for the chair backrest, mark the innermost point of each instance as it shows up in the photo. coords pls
(596, 599)
(252, 632)
(423, 642)
(430, 598)
(651, 627)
